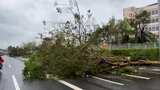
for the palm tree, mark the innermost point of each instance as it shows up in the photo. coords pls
(113, 30)
(140, 23)
(126, 30)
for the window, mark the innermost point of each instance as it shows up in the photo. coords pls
(153, 20)
(156, 11)
(153, 28)
(152, 12)
(157, 28)
(131, 15)
(150, 28)
(156, 19)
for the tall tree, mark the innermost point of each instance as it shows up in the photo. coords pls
(113, 30)
(126, 30)
(77, 26)
(141, 21)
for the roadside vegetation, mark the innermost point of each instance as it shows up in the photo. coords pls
(139, 54)
(74, 50)
(25, 50)
(61, 61)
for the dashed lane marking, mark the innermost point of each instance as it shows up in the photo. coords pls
(134, 76)
(15, 82)
(109, 81)
(70, 85)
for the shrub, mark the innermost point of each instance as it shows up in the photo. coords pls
(137, 54)
(33, 69)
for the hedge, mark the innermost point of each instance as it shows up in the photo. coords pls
(139, 54)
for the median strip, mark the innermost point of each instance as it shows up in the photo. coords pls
(15, 82)
(70, 85)
(117, 83)
(134, 76)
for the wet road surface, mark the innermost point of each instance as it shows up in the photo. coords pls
(11, 78)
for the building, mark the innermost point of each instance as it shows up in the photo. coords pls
(153, 9)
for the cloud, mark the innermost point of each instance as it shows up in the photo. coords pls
(21, 20)
(105, 9)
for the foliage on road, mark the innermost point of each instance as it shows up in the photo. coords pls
(61, 61)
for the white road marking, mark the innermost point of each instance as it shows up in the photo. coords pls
(134, 76)
(15, 82)
(142, 68)
(157, 70)
(70, 85)
(117, 83)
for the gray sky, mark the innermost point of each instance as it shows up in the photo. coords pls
(21, 20)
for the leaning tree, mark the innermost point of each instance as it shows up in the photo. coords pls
(78, 26)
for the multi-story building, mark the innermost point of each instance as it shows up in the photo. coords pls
(153, 9)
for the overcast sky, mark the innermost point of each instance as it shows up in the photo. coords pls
(21, 20)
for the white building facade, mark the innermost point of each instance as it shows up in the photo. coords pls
(153, 9)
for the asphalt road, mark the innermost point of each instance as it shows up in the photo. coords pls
(11, 78)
